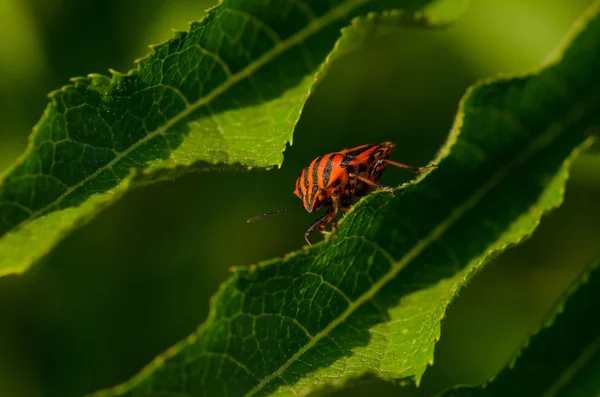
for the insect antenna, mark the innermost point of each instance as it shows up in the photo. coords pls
(271, 213)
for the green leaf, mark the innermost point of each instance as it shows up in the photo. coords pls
(226, 94)
(563, 358)
(371, 300)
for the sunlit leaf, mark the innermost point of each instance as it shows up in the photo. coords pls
(371, 300)
(226, 94)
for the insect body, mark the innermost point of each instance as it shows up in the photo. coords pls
(334, 180)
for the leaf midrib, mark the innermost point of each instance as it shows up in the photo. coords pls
(547, 137)
(314, 26)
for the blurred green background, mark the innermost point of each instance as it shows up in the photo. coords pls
(139, 277)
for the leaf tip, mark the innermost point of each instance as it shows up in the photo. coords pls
(237, 269)
(115, 73)
(178, 34)
(192, 338)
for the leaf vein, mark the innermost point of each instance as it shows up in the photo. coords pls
(295, 39)
(258, 22)
(217, 58)
(233, 360)
(545, 138)
(332, 286)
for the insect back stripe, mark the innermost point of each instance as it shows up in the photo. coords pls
(304, 183)
(349, 156)
(361, 149)
(299, 186)
(326, 174)
(314, 181)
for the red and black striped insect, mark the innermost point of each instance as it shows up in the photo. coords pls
(333, 181)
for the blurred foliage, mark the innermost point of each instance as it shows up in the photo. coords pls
(562, 358)
(405, 89)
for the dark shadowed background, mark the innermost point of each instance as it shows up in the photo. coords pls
(139, 277)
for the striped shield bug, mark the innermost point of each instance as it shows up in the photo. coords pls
(333, 181)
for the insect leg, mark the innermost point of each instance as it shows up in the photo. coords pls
(352, 178)
(406, 167)
(376, 185)
(319, 223)
(331, 218)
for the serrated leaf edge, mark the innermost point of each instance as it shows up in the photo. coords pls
(102, 83)
(312, 27)
(159, 360)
